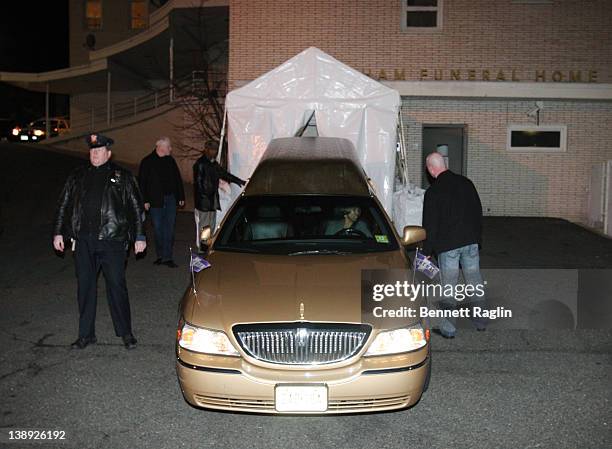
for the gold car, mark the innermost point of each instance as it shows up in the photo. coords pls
(275, 323)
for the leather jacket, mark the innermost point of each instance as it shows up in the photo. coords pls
(150, 182)
(121, 210)
(206, 175)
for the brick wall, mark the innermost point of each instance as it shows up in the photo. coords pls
(518, 184)
(477, 34)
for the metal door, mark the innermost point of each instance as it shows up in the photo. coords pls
(449, 140)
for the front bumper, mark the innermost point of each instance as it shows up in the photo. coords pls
(368, 385)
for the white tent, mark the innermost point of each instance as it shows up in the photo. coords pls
(346, 103)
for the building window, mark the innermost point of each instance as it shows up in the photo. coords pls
(139, 14)
(421, 14)
(537, 139)
(93, 14)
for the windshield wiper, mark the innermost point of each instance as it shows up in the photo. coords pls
(324, 252)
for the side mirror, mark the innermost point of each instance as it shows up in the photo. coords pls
(413, 234)
(205, 238)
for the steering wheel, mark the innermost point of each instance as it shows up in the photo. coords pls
(350, 232)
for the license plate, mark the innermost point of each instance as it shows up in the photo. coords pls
(301, 398)
(23, 137)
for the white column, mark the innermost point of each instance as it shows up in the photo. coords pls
(108, 97)
(47, 124)
(171, 69)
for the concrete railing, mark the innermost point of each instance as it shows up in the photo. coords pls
(102, 117)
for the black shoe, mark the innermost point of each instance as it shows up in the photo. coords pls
(481, 329)
(445, 335)
(129, 341)
(157, 261)
(170, 263)
(82, 342)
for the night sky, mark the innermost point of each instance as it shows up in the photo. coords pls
(33, 38)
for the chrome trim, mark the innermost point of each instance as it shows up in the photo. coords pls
(208, 368)
(302, 343)
(396, 370)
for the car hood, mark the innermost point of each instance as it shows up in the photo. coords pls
(248, 288)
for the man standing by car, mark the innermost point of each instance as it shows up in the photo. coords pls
(452, 217)
(162, 189)
(99, 211)
(206, 175)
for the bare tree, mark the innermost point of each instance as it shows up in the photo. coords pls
(201, 93)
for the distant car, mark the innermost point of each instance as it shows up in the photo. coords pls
(6, 129)
(37, 129)
(18, 131)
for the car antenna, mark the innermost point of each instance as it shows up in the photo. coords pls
(193, 286)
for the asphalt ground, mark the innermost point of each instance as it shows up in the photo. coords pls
(504, 388)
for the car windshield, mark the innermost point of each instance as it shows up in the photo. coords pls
(306, 225)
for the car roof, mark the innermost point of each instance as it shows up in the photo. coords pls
(309, 165)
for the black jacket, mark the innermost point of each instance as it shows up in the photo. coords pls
(121, 209)
(206, 175)
(150, 183)
(452, 214)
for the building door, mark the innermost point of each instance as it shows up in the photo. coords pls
(449, 140)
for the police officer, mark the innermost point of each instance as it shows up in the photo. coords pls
(100, 213)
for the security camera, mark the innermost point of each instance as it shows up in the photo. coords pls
(533, 112)
(538, 107)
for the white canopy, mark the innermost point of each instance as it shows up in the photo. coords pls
(346, 103)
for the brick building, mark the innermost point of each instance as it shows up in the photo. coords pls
(469, 72)
(517, 92)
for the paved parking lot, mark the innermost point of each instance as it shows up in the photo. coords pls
(506, 388)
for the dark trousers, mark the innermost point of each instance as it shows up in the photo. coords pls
(91, 255)
(164, 219)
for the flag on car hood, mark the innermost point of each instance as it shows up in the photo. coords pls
(198, 263)
(425, 266)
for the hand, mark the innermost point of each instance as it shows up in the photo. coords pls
(58, 243)
(181, 203)
(147, 206)
(140, 246)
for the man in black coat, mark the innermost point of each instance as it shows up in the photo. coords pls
(162, 190)
(100, 213)
(452, 218)
(206, 175)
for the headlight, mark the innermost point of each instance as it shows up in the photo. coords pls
(207, 341)
(398, 340)
(39, 132)
(16, 131)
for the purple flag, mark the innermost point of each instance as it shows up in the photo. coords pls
(198, 264)
(425, 266)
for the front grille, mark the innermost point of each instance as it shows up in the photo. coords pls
(237, 403)
(334, 406)
(360, 404)
(302, 343)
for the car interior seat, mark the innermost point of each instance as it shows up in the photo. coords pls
(269, 224)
